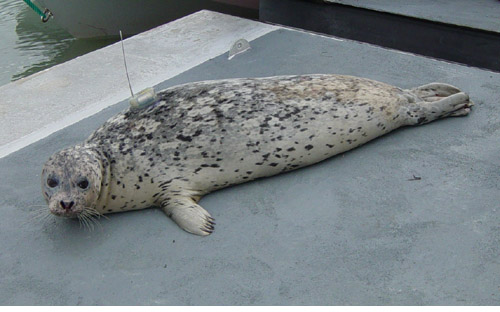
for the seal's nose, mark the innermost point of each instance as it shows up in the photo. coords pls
(65, 205)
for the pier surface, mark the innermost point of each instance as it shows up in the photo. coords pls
(411, 218)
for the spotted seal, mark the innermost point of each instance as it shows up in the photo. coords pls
(203, 136)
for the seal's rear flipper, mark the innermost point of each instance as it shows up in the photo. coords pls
(435, 89)
(436, 100)
(190, 216)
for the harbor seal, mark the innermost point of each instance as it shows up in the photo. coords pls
(203, 136)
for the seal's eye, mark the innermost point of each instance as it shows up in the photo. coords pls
(52, 182)
(83, 184)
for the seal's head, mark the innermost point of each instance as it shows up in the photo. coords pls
(71, 181)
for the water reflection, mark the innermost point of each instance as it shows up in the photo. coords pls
(50, 43)
(29, 46)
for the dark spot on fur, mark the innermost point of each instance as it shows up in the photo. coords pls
(184, 138)
(421, 120)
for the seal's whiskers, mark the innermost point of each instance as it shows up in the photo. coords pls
(89, 217)
(85, 222)
(41, 214)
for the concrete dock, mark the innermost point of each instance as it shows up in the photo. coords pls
(462, 31)
(478, 14)
(357, 229)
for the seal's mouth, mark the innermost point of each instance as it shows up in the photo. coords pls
(65, 213)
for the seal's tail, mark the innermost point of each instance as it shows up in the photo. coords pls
(437, 100)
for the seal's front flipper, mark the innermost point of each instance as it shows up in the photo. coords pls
(190, 216)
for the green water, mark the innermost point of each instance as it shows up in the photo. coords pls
(28, 46)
